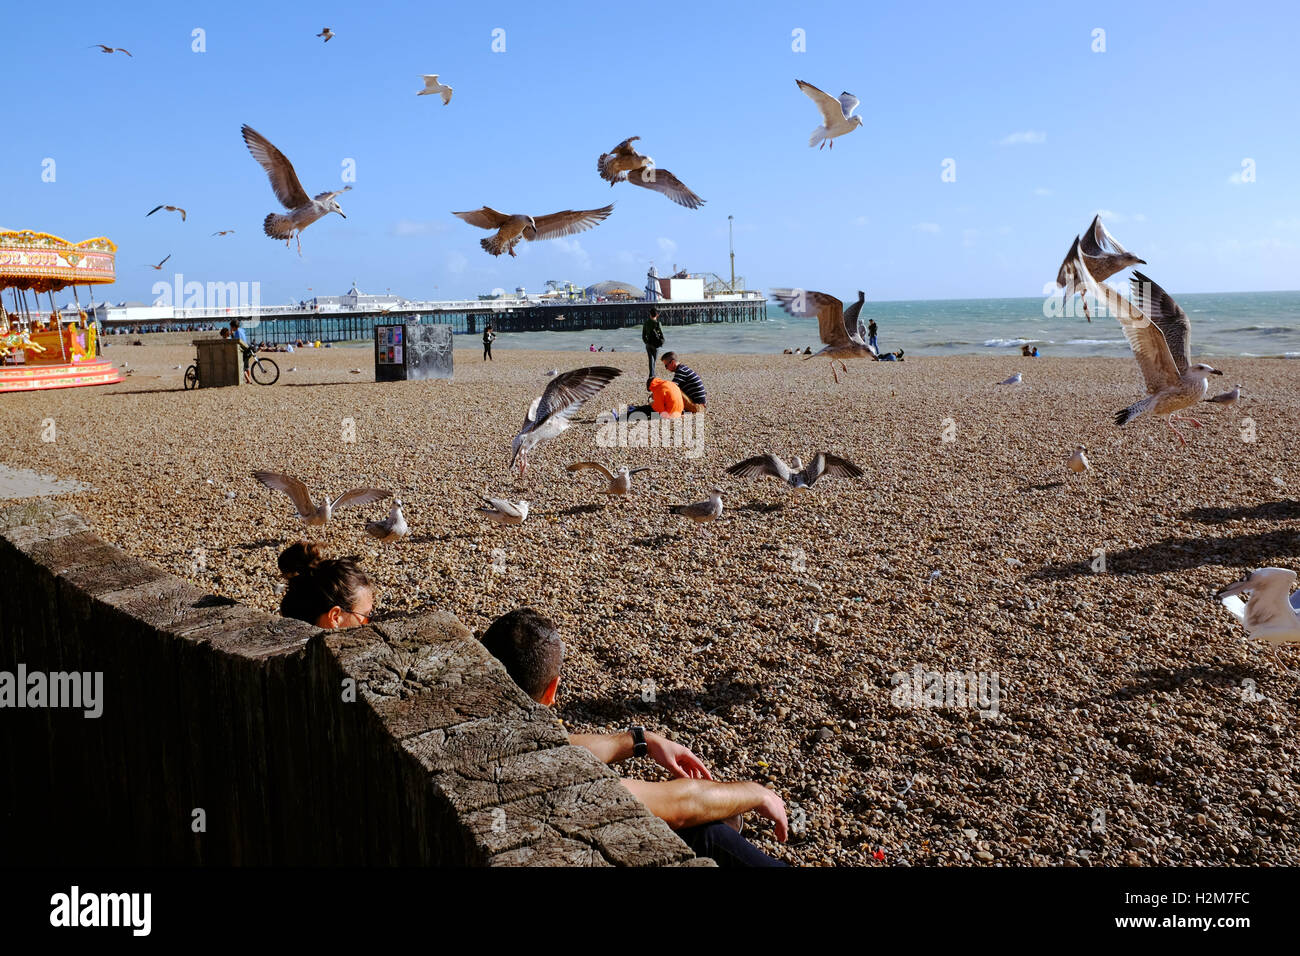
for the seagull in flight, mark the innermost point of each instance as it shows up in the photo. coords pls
(843, 333)
(1268, 614)
(431, 85)
(310, 513)
(392, 528)
(159, 266)
(799, 478)
(223, 232)
(1159, 333)
(837, 114)
(511, 228)
(623, 164)
(619, 482)
(303, 210)
(501, 511)
(549, 414)
(169, 209)
(327, 33)
(112, 49)
(1101, 255)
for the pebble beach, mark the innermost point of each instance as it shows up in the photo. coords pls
(1121, 715)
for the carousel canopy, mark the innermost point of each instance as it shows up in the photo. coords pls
(45, 263)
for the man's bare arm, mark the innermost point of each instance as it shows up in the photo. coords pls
(608, 748)
(687, 802)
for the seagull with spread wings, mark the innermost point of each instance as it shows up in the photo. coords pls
(799, 478)
(1270, 613)
(112, 49)
(549, 414)
(843, 334)
(303, 209)
(169, 209)
(431, 85)
(327, 33)
(623, 164)
(223, 232)
(619, 482)
(159, 266)
(1159, 333)
(310, 513)
(1100, 253)
(510, 229)
(837, 115)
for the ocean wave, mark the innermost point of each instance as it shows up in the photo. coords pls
(1095, 342)
(1263, 329)
(1008, 343)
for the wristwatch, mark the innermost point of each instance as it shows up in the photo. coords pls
(639, 747)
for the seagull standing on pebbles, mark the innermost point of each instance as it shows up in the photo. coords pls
(510, 229)
(502, 511)
(843, 334)
(303, 209)
(1013, 380)
(1227, 399)
(1159, 333)
(310, 513)
(620, 481)
(710, 509)
(393, 528)
(431, 85)
(549, 414)
(837, 115)
(799, 478)
(1268, 615)
(623, 164)
(1078, 461)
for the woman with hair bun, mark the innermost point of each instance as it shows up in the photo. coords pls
(331, 593)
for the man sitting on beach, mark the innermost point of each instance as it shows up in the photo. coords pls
(688, 381)
(892, 356)
(705, 813)
(665, 398)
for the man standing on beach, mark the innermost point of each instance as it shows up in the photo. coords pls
(653, 337)
(488, 338)
(871, 337)
(688, 381)
(240, 336)
(706, 813)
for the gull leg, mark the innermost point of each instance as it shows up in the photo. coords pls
(1085, 309)
(1170, 423)
(834, 374)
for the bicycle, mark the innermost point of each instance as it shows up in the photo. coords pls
(263, 370)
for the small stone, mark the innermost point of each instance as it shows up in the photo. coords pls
(984, 855)
(823, 735)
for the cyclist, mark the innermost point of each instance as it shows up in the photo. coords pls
(240, 336)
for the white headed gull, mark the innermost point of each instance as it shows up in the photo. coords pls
(799, 478)
(701, 511)
(1268, 615)
(307, 510)
(1013, 380)
(843, 333)
(549, 414)
(431, 85)
(1227, 399)
(1078, 461)
(620, 481)
(303, 209)
(837, 115)
(392, 528)
(502, 511)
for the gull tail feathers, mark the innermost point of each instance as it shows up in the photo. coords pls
(278, 226)
(818, 135)
(1126, 415)
(494, 245)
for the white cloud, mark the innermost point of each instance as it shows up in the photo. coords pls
(1111, 216)
(1028, 137)
(931, 227)
(667, 247)
(1042, 191)
(573, 247)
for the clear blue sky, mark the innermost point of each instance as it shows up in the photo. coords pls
(1044, 132)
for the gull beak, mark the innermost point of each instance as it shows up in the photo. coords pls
(340, 212)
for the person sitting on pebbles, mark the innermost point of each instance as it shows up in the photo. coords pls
(694, 397)
(706, 813)
(665, 398)
(331, 593)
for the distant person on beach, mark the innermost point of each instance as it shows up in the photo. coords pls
(331, 593)
(892, 356)
(692, 386)
(808, 350)
(665, 398)
(240, 336)
(488, 338)
(706, 813)
(871, 337)
(653, 337)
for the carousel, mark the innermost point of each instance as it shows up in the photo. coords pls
(40, 349)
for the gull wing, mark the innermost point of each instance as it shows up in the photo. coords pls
(484, 218)
(579, 465)
(507, 508)
(662, 181)
(359, 496)
(1144, 337)
(321, 197)
(292, 487)
(760, 465)
(565, 394)
(854, 325)
(849, 103)
(567, 222)
(284, 181)
(622, 157)
(1161, 308)
(1236, 606)
(828, 309)
(824, 463)
(832, 110)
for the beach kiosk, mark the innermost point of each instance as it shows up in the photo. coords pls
(412, 351)
(50, 349)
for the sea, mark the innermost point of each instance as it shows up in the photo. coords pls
(1229, 324)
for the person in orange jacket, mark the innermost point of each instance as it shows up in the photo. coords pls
(665, 398)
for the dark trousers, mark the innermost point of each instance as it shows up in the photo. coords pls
(652, 353)
(487, 351)
(725, 846)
